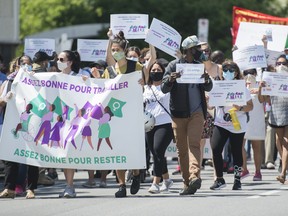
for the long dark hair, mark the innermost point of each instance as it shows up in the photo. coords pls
(133, 48)
(150, 68)
(281, 56)
(73, 56)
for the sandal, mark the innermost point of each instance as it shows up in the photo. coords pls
(30, 194)
(7, 194)
(281, 178)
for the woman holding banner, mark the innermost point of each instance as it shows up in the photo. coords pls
(12, 168)
(119, 64)
(278, 117)
(230, 123)
(69, 63)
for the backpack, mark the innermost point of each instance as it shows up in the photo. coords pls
(131, 67)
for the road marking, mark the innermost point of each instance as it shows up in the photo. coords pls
(264, 194)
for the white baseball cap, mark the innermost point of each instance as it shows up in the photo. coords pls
(191, 41)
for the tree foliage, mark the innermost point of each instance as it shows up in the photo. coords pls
(38, 15)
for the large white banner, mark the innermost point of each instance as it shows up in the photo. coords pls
(250, 57)
(33, 45)
(57, 120)
(164, 37)
(92, 50)
(134, 26)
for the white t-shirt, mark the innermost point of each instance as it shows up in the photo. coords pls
(154, 107)
(242, 117)
(256, 126)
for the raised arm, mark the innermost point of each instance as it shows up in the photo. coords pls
(109, 58)
(150, 61)
(211, 68)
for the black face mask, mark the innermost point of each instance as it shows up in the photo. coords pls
(156, 76)
(197, 55)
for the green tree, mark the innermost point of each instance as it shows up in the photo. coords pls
(38, 15)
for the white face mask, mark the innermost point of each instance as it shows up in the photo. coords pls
(281, 68)
(133, 59)
(62, 65)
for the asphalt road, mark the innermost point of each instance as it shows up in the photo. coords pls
(264, 198)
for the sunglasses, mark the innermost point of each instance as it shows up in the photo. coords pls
(60, 59)
(229, 67)
(281, 63)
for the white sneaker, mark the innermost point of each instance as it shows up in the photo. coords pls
(166, 185)
(69, 192)
(270, 165)
(154, 189)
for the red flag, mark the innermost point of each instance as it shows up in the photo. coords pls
(244, 15)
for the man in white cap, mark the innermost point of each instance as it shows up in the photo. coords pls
(188, 109)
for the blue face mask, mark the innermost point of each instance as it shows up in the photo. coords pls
(228, 75)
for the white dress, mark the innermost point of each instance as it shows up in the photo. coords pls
(256, 125)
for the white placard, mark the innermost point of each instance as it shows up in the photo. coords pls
(33, 45)
(271, 56)
(276, 84)
(250, 34)
(190, 73)
(92, 50)
(164, 37)
(134, 26)
(227, 93)
(250, 57)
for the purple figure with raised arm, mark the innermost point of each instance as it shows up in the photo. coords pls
(74, 126)
(45, 127)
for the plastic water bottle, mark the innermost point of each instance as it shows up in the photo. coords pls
(234, 118)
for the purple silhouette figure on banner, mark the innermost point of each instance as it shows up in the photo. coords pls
(55, 136)
(74, 126)
(45, 127)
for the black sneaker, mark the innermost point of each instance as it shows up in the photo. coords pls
(237, 185)
(193, 186)
(218, 184)
(176, 172)
(135, 186)
(184, 190)
(121, 192)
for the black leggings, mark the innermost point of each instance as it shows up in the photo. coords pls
(11, 174)
(158, 140)
(218, 140)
